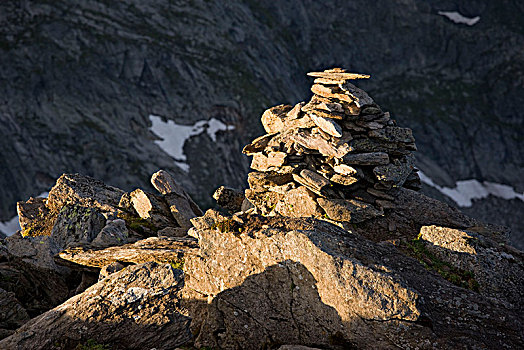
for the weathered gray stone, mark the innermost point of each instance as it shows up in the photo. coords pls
(305, 282)
(380, 194)
(180, 203)
(396, 173)
(117, 312)
(158, 249)
(208, 220)
(229, 198)
(261, 181)
(377, 145)
(172, 232)
(152, 208)
(359, 96)
(370, 158)
(114, 233)
(350, 210)
(373, 125)
(338, 75)
(165, 183)
(83, 190)
(299, 202)
(393, 134)
(494, 268)
(344, 169)
(77, 224)
(30, 211)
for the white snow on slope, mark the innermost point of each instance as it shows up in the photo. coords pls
(459, 18)
(175, 135)
(467, 190)
(10, 227)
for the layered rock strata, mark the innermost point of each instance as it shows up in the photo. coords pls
(338, 157)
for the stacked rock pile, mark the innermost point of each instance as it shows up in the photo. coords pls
(337, 157)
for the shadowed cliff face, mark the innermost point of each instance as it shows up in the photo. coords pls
(78, 84)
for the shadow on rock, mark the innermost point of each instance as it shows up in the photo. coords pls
(279, 306)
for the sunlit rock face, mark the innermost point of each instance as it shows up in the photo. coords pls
(79, 85)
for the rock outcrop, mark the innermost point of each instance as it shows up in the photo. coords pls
(80, 229)
(337, 157)
(136, 308)
(301, 281)
(422, 275)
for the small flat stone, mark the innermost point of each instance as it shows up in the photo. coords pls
(396, 173)
(302, 123)
(349, 210)
(273, 118)
(344, 169)
(229, 198)
(380, 194)
(338, 75)
(327, 125)
(299, 202)
(331, 92)
(294, 113)
(359, 96)
(318, 143)
(331, 107)
(370, 125)
(394, 134)
(258, 144)
(261, 162)
(152, 208)
(350, 125)
(326, 114)
(345, 180)
(312, 180)
(371, 158)
(371, 110)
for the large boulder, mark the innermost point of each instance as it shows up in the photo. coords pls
(83, 190)
(135, 308)
(301, 281)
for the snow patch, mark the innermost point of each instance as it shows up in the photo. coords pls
(174, 135)
(12, 226)
(459, 18)
(466, 190)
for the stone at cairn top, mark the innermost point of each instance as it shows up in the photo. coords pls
(338, 157)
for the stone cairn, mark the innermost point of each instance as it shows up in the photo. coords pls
(338, 157)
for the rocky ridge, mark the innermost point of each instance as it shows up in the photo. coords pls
(137, 278)
(337, 157)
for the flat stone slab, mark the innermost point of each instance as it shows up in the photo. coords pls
(157, 249)
(327, 125)
(299, 202)
(316, 142)
(339, 76)
(349, 210)
(371, 158)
